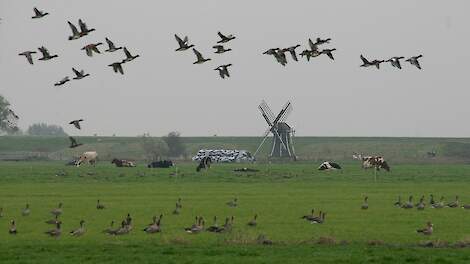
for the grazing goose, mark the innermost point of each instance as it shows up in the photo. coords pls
(75, 33)
(110, 230)
(253, 221)
(215, 227)
(28, 55)
(409, 204)
(155, 226)
(84, 29)
(291, 50)
(365, 205)
(76, 123)
(183, 43)
(455, 203)
(93, 47)
(329, 53)
(440, 204)
(200, 58)
(53, 221)
(233, 203)
(26, 211)
(398, 202)
(54, 232)
(414, 61)
(79, 74)
(45, 54)
(129, 56)
(79, 231)
(223, 70)
(427, 230)
(224, 39)
(111, 46)
(73, 143)
(395, 61)
(39, 14)
(322, 41)
(12, 230)
(220, 49)
(63, 81)
(366, 63)
(57, 211)
(179, 204)
(99, 205)
(227, 227)
(117, 67)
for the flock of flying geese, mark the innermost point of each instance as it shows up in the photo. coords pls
(394, 61)
(90, 49)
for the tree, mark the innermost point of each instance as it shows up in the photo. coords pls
(43, 129)
(154, 148)
(175, 145)
(5, 127)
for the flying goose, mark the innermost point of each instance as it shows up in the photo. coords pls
(224, 39)
(63, 81)
(200, 58)
(183, 43)
(57, 211)
(76, 123)
(45, 54)
(28, 55)
(253, 221)
(93, 47)
(155, 226)
(291, 50)
(328, 52)
(281, 57)
(79, 74)
(455, 203)
(427, 230)
(365, 205)
(79, 231)
(99, 205)
(129, 57)
(117, 67)
(232, 203)
(395, 61)
(12, 230)
(26, 211)
(75, 33)
(409, 204)
(73, 143)
(220, 49)
(398, 202)
(440, 204)
(367, 63)
(320, 41)
(223, 70)
(55, 232)
(84, 29)
(111, 46)
(271, 51)
(414, 61)
(39, 14)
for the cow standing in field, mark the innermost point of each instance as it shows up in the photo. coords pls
(89, 156)
(123, 163)
(205, 163)
(376, 162)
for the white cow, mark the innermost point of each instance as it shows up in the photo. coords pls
(89, 156)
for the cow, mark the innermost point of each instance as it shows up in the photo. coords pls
(89, 156)
(161, 164)
(205, 163)
(377, 162)
(327, 165)
(123, 163)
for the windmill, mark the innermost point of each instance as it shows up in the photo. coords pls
(282, 144)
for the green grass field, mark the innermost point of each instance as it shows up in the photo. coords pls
(280, 194)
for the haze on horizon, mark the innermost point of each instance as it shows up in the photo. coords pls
(163, 91)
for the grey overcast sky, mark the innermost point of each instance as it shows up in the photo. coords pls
(163, 91)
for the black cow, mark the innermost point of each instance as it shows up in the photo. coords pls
(161, 164)
(205, 163)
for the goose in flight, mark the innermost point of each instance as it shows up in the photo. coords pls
(90, 48)
(39, 14)
(183, 43)
(117, 67)
(75, 33)
(45, 54)
(79, 74)
(76, 123)
(28, 55)
(292, 51)
(367, 63)
(200, 58)
(223, 70)
(225, 39)
(329, 53)
(73, 143)
(322, 41)
(281, 57)
(63, 81)
(414, 61)
(129, 56)
(111, 46)
(220, 49)
(84, 29)
(395, 61)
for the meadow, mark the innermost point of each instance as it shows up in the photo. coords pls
(279, 193)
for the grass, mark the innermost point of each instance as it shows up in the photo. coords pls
(279, 194)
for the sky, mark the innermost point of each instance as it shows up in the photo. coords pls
(163, 91)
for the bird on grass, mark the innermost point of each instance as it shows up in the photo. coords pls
(57, 211)
(398, 202)
(1, 212)
(409, 204)
(233, 203)
(99, 205)
(12, 229)
(253, 221)
(26, 211)
(63, 81)
(223, 70)
(110, 230)
(80, 230)
(421, 205)
(55, 232)
(225, 39)
(45, 54)
(76, 123)
(439, 205)
(53, 221)
(39, 14)
(111, 46)
(215, 227)
(427, 230)
(183, 43)
(200, 58)
(455, 203)
(310, 216)
(414, 61)
(155, 227)
(365, 205)
(196, 227)
(73, 143)
(28, 55)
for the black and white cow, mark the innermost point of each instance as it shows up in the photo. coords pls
(368, 162)
(161, 164)
(205, 163)
(327, 165)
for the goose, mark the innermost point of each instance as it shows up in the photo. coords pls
(63, 81)
(73, 143)
(320, 41)
(223, 70)
(99, 205)
(39, 14)
(155, 226)
(398, 202)
(253, 221)
(395, 61)
(431, 200)
(177, 210)
(53, 221)
(310, 216)
(79, 231)
(455, 203)
(26, 211)
(123, 230)
(232, 203)
(220, 49)
(76, 123)
(128, 221)
(313, 46)
(291, 50)
(365, 205)
(57, 211)
(421, 200)
(271, 51)
(320, 219)
(111, 46)
(215, 227)
(183, 43)
(409, 204)
(79, 74)
(366, 63)
(414, 61)
(129, 57)
(314, 218)
(75, 33)
(1, 212)
(263, 240)
(427, 230)
(93, 47)
(281, 57)
(196, 228)
(178, 203)
(224, 39)
(329, 53)
(110, 230)
(117, 67)
(56, 232)
(12, 230)
(421, 205)
(45, 54)
(440, 204)
(28, 55)
(84, 29)
(200, 58)
(226, 227)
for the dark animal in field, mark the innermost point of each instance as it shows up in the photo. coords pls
(329, 166)
(123, 163)
(161, 164)
(205, 163)
(245, 170)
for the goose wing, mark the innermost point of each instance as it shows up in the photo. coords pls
(364, 60)
(110, 43)
(77, 72)
(128, 54)
(221, 35)
(198, 55)
(44, 51)
(180, 41)
(73, 28)
(312, 45)
(37, 12)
